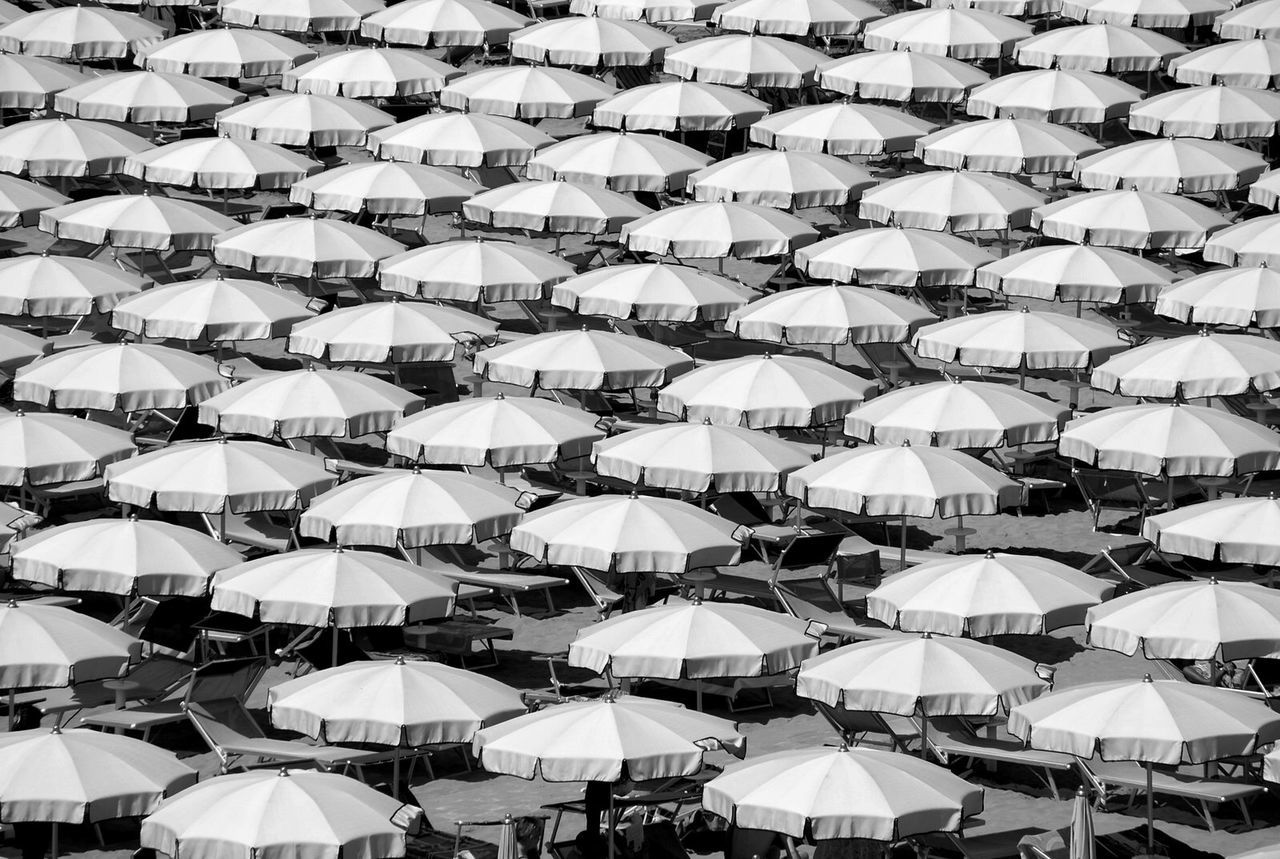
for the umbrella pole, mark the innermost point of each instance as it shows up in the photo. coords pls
(609, 830)
(1151, 815)
(333, 660)
(395, 774)
(11, 706)
(53, 842)
(924, 736)
(903, 539)
(697, 687)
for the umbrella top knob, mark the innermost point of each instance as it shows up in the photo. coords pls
(990, 556)
(1025, 309)
(44, 253)
(500, 396)
(133, 517)
(19, 414)
(222, 439)
(927, 636)
(634, 494)
(13, 604)
(337, 550)
(843, 747)
(768, 356)
(1146, 678)
(1213, 580)
(706, 421)
(283, 773)
(57, 729)
(1204, 332)
(906, 442)
(400, 660)
(585, 329)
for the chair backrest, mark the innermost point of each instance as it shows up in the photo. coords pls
(742, 508)
(809, 550)
(169, 677)
(221, 723)
(1126, 556)
(225, 679)
(809, 599)
(849, 724)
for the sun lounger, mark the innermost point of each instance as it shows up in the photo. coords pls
(508, 584)
(153, 678)
(951, 738)
(250, 532)
(1112, 779)
(854, 726)
(603, 597)
(804, 549)
(1127, 565)
(560, 691)
(812, 599)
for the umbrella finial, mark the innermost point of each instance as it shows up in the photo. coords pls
(1204, 331)
(57, 729)
(283, 773)
(19, 414)
(634, 495)
(1146, 678)
(1213, 580)
(400, 660)
(1025, 309)
(906, 442)
(990, 556)
(843, 747)
(133, 517)
(500, 396)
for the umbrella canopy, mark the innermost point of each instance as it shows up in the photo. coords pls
(965, 34)
(958, 415)
(526, 92)
(840, 128)
(66, 147)
(1265, 192)
(951, 201)
(695, 640)
(122, 556)
(459, 140)
(653, 11)
(473, 271)
(45, 285)
(220, 163)
(18, 348)
(636, 738)
(1232, 530)
(1229, 113)
(303, 120)
(84, 776)
(384, 188)
(412, 508)
(587, 360)
(1098, 48)
(1241, 297)
(1171, 440)
(830, 315)
(1166, 14)
(125, 376)
(555, 207)
(1005, 146)
(744, 61)
(904, 76)
(333, 587)
(313, 815)
(1249, 63)
(1142, 220)
(389, 331)
(678, 106)
(1068, 273)
(838, 793)
(1258, 21)
(30, 82)
(717, 230)
(42, 645)
(22, 201)
(443, 23)
(370, 73)
(764, 391)
(213, 476)
(1251, 242)
(1053, 95)
(578, 41)
(137, 221)
(651, 292)
(618, 161)
(304, 247)
(43, 448)
(1184, 166)
(1019, 338)
(698, 458)
(982, 596)
(628, 534)
(79, 33)
(1190, 620)
(879, 480)
(796, 17)
(1202, 365)
(225, 53)
(893, 256)
(392, 703)
(921, 675)
(146, 97)
(783, 180)
(298, 16)
(499, 431)
(212, 309)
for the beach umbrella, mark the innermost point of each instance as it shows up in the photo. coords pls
(1258, 21)
(1052, 95)
(443, 23)
(473, 271)
(370, 73)
(10, 12)
(21, 202)
(215, 310)
(1229, 113)
(29, 83)
(412, 509)
(147, 221)
(1265, 192)
(1075, 273)
(41, 448)
(79, 33)
(986, 595)
(744, 61)
(628, 534)
(1196, 365)
(500, 431)
(526, 92)
(891, 256)
(1251, 242)
(618, 161)
(698, 458)
(1231, 530)
(554, 207)
(904, 76)
(219, 476)
(125, 376)
(1240, 297)
(18, 348)
(766, 391)
(1166, 14)
(384, 188)
(584, 360)
(43, 646)
(1185, 166)
(44, 285)
(298, 16)
(1249, 63)
(841, 793)
(66, 147)
(951, 201)
(389, 331)
(304, 247)
(1098, 48)
(678, 106)
(459, 140)
(146, 97)
(650, 292)
(958, 415)
(782, 180)
(220, 163)
(828, 315)
(1019, 339)
(578, 41)
(303, 120)
(308, 403)
(840, 128)
(1141, 220)
(1171, 440)
(717, 230)
(1005, 146)
(224, 53)
(653, 11)
(796, 17)
(122, 556)
(963, 34)
(317, 815)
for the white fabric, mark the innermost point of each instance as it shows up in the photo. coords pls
(783, 180)
(137, 221)
(125, 376)
(1193, 366)
(1153, 14)
(1005, 146)
(1259, 20)
(370, 73)
(1010, 339)
(651, 292)
(1265, 191)
(678, 106)
(1252, 242)
(21, 201)
(30, 82)
(965, 34)
(620, 162)
(79, 33)
(1241, 297)
(1141, 220)
(473, 270)
(459, 140)
(952, 201)
(840, 129)
(383, 188)
(18, 348)
(526, 92)
(1069, 273)
(225, 53)
(389, 331)
(62, 286)
(889, 256)
(577, 41)
(903, 76)
(1250, 63)
(44, 646)
(43, 448)
(1098, 48)
(1053, 96)
(303, 120)
(298, 16)
(305, 247)
(213, 310)
(143, 97)
(1232, 530)
(796, 17)
(582, 360)
(440, 23)
(554, 207)
(653, 11)
(701, 230)
(830, 315)
(220, 163)
(1208, 111)
(66, 147)
(744, 61)
(1175, 166)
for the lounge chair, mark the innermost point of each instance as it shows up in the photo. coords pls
(558, 691)
(153, 679)
(854, 726)
(1128, 778)
(508, 584)
(603, 597)
(952, 738)
(803, 549)
(1127, 566)
(812, 599)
